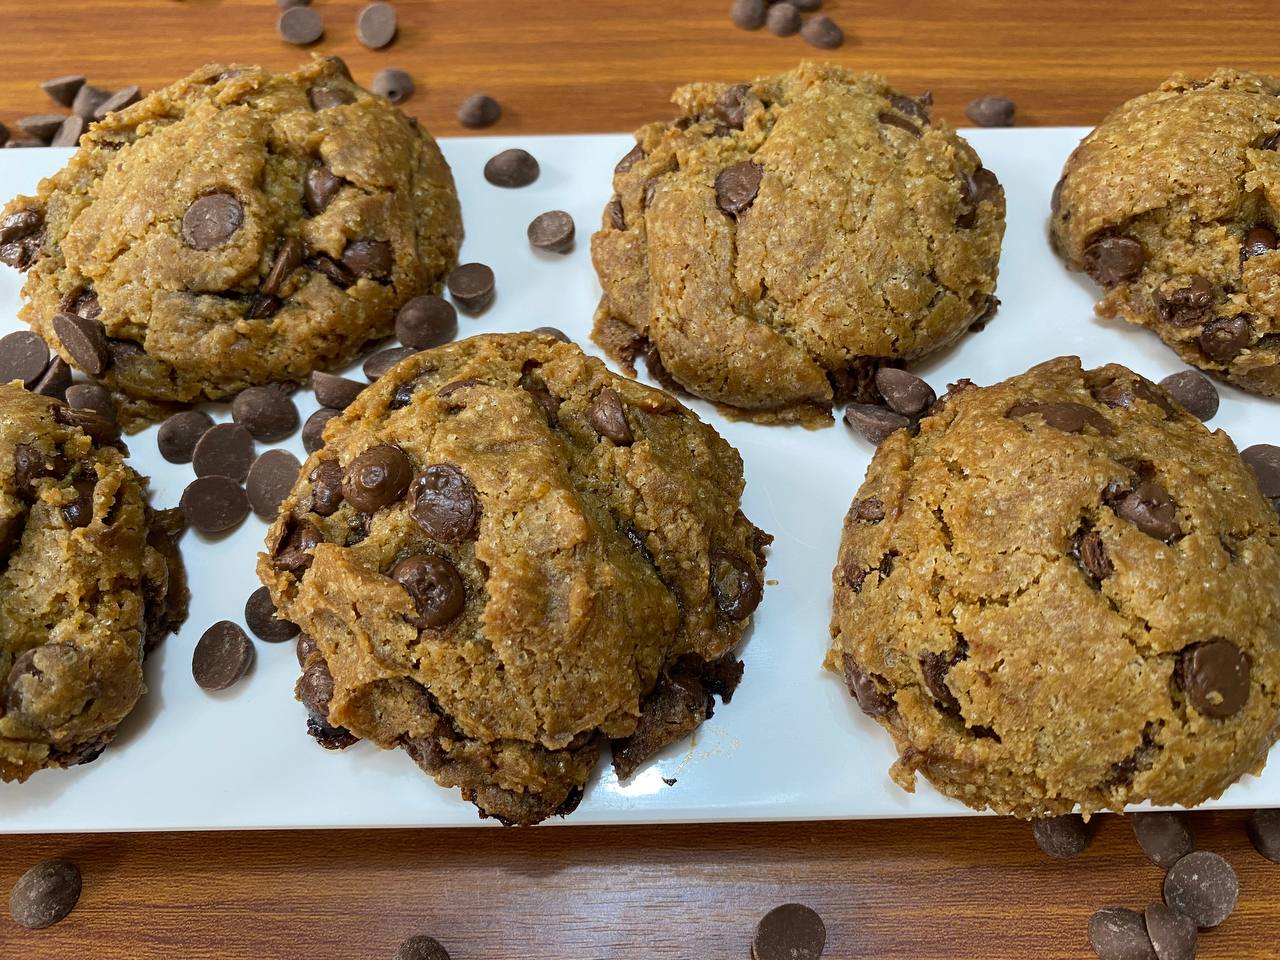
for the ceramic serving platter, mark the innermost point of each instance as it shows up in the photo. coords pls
(791, 745)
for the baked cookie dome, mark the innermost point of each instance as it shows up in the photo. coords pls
(1171, 206)
(780, 240)
(504, 556)
(235, 228)
(1062, 591)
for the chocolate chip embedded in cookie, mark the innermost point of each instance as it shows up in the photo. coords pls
(1059, 593)
(750, 269)
(505, 557)
(1164, 206)
(234, 229)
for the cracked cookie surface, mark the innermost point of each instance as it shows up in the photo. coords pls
(1062, 591)
(235, 228)
(90, 579)
(1170, 205)
(505, 556)
(777, 242)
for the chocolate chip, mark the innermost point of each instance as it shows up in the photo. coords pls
(222, 656)
(315, 689)
(69, 132)
(288, 258)
(551, 231)
(1090, 552)
(1194, 391)
(426, 321)
(991, 111)
(873, 422)
(479, 110)
(55, 380)
(394, 84)
(934, 667)
(103, 432)
(737, 186)
(789, 932)
(266, 412)
(212, 220)
(1067, 417)
(1215, 675)
(1110, 260)
(822, 32)
(376, 25)
(326, 487)
(1264, 832)
(874, 702)
(629, 159)
(293, 549)
(1124, 393)
(42, 126)
(377, 477)
(553, 332)
(179, 434)
(512, 168)
(902, 123)
(313, 429)
(1259, 240)
(472, 286)
(1173, 936)
(260, 615)
(1163, 837)
(1187, 304)
(421, 948)
(730, 108)
(304, 648)
(608, 416)
(1202, 886)
(1119, 934)
(978, 187)
(371, 259)
(87, 101)
(79, 512)
(92, 396)
(1064, 837)
(905, 393)
(747, 14)
(1149, 508)
(734, 585)
(1264, 460)
(23, 356)
(377, 364)
(333, 391)
(225, 450)
(214, 504)
(326, 97)
(30, 464)
(444, 503)
(124, 97)
(85, 340)
(435, 586)
(782, 20)
(45, 894)
(1225, 337)
(270, 479)
(20, 224)
(300, 26)
(319, 187)
(868, 510)
(63, 90)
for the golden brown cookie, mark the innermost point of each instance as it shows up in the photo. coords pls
(1062, 591)
(504, 556)
(778, 241)
(1170, 205)
(235, 228)
(90, 579)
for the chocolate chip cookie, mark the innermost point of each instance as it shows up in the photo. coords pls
(1170, 205)
(503, 557)
(235, 228)
(780, 240)
(1061, 590)
(90, 579)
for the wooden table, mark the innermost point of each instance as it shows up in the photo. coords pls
(909, 890)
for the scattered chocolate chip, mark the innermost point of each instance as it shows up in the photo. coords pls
(214, 504)
(734, 585)
(872, 422)
(63, 90)
(42, 126)
(87, 101)
(1225, 337)
(822, 32)
(212, 220)
(426, 321)
(1067, 417)
(1164, 837)
(747, 14)
(1264, 832)
(782, 19)
(1110, 260)
(55, 380)
(260, 615)
(512, 168)
(874, 702)
(327, 97)
(1202, 886)
(1090, 552)
(222, 656)
(1187, 304)
(288, 258)
(479, 110)
(377, 364)
(394, 84)
(371, 259)
(789, 932)
(270, 479)
(551, 231)
(608, 416)
(377, 477)
(737, 186)
(1119, 934)
(334, 391)
(1194, 391)
(79, 512)
(435, 587)
(1259, 240)
(23, 356)
(69, 132)
(444, 503)
(376, 25)
(313, 429)
(1173, 936)
(421, 948)
(1215, 675)
(1149, 508)
(300, 26)
(266, 412)
(1064, 837)
(553, 332)
(224, 450)
(92, 396)
(124, 97)
(179, 434)
(85, 340)
(472, 286)
(45, 894)
(319, 187)
(1264, 460)
(905, 393)
(326, 487)
(991, 111)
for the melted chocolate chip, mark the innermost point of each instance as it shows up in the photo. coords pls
(1187, 304)
(608, 416)
(211, 221)
(1110, 260)
(1215, 675)
(1224, 338)
(444, 503)
(1067, 417)
(377, 477)
(1089, 551)
(734, 585)
(435, 586)
(1149, 508)
(737, 186)
(319, 187)
(874, 702)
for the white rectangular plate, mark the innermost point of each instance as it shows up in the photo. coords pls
(791, 746)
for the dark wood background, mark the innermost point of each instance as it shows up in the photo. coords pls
(913, 890)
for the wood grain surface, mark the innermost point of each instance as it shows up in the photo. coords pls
(913, 890)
